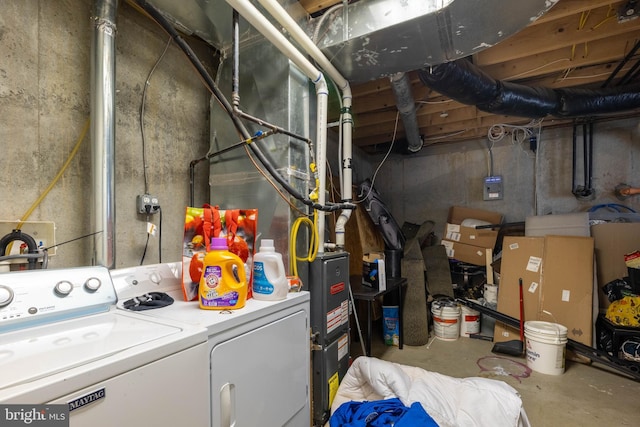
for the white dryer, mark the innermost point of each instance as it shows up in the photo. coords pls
(62, 341)
(259, 355)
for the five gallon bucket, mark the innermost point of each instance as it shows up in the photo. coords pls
(469, 321)
(446, 320)
(546, 344)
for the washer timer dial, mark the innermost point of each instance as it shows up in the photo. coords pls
(6, 295)
(92, 284)
(63, 288)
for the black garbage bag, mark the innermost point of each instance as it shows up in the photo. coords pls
(618, 289)
(381, 216)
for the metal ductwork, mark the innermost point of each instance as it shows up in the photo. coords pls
(401, 87)
(211, 19)
(370, 39)
(103, 129)
(466, 83)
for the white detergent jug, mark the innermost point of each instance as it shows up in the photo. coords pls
(269, 277)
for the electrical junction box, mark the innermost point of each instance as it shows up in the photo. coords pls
(492, 189)
(147, 204)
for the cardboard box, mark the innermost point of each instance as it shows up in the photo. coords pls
(484, 238)
(361, 237)
(521, 258)
(373, 271)
(465, 253)
(612, 241)
(468, 244)
(557, 274)
(567, 285)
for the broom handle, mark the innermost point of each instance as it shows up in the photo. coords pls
(521, 312)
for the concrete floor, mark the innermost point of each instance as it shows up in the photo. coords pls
(583, 396)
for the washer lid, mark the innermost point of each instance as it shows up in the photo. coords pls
(30, 354)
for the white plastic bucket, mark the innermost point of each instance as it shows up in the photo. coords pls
(469, 321)
(446, 320)
(545, 343)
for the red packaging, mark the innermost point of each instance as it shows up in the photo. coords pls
(239, 226)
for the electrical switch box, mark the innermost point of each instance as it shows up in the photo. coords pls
(492, 188)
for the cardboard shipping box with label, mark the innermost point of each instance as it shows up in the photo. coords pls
(557, 275)
(463, 241)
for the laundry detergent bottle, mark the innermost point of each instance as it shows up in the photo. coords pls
(269, 278)
(223, 284)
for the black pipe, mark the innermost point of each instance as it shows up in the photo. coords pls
(628, 76)
(585, 158)
(575, 160)
(621, 64)
(258, 136)
(192, 176)
(242, 130)
(17, 235)
(629, 368)
(590, 183)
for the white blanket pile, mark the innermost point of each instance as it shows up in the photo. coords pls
(451, 402)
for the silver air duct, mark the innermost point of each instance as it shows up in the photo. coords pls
(401, 87)
(370, 39)
(103, 129)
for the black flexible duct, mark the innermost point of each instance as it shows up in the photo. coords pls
(240, 127)
(468, 84)
(17, 235)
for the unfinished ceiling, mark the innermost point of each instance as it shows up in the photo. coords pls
(577, 43)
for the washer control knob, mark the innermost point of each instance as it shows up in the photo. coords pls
(154, 278)
(6, 296)
(63, 288)
(92, 284)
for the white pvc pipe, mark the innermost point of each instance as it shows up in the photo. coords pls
(321, 157)
(282, 16)
(271, 33)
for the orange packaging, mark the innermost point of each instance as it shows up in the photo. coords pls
(632, 260)
(238, 226)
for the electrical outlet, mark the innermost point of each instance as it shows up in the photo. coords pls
(147, 204)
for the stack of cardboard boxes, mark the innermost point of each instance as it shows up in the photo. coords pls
(558, 271)
(468, 244)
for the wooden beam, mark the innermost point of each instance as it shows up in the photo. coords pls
(565, 8)
(555, 34)
(601, 51)
(313, 6)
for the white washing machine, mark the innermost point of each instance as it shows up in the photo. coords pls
(62, 341)
(259, 355)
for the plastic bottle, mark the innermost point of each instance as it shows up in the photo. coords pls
(269, 278)
(223, 284)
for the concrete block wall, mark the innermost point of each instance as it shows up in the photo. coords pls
(44, 100)
(422, 187)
